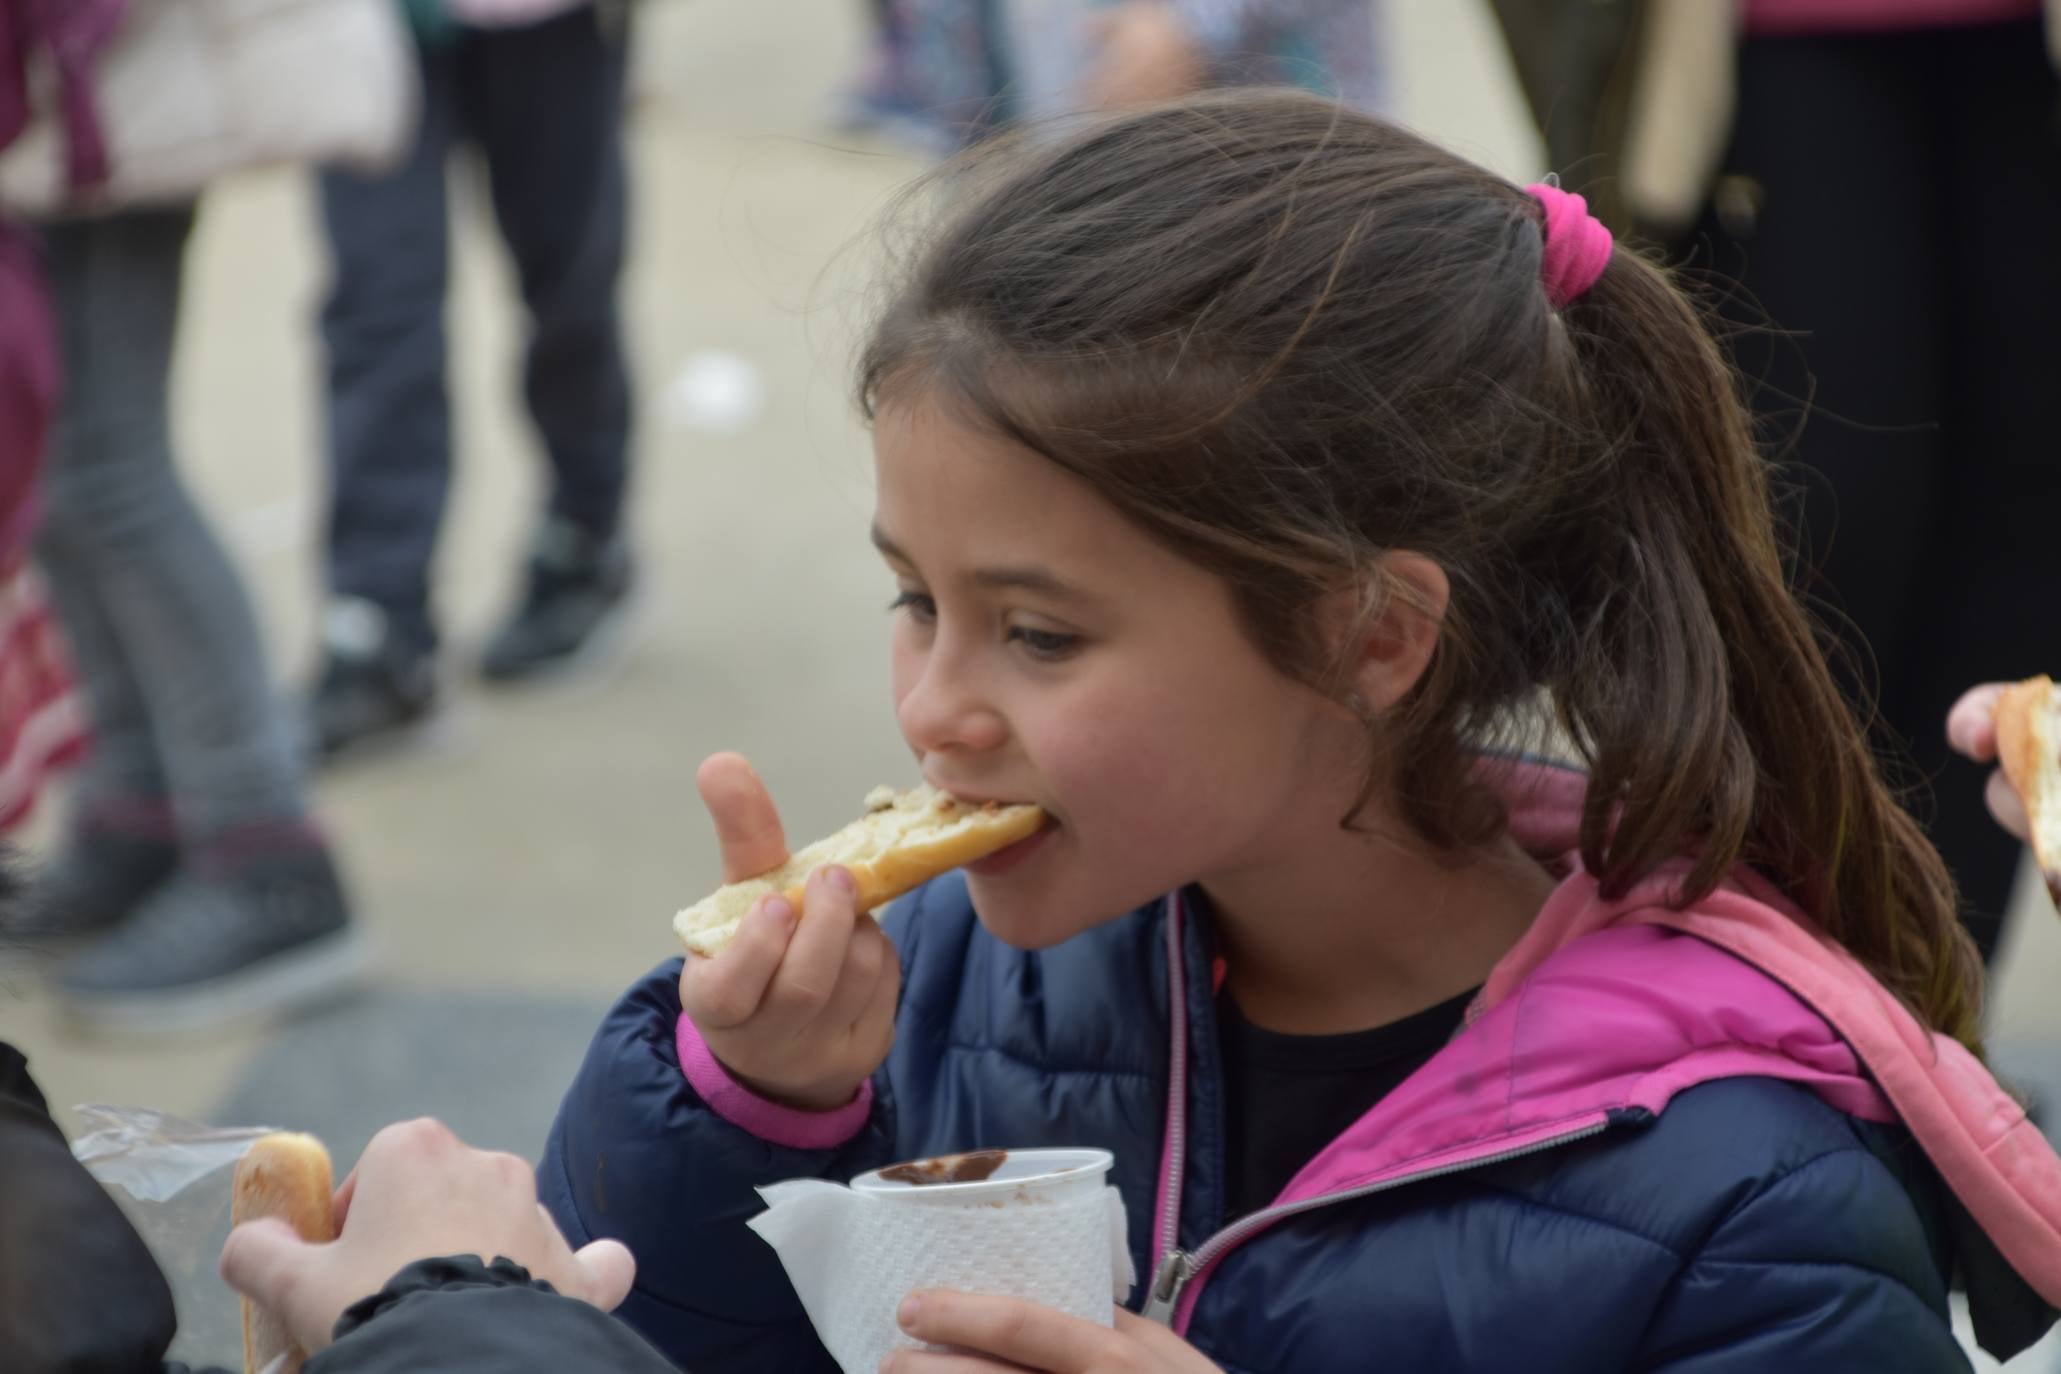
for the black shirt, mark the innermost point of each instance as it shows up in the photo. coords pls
(1288, 1096)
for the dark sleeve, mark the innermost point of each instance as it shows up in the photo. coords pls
(1825, 1267)
(638, 1155)
(78, 1289)
(459, 1316)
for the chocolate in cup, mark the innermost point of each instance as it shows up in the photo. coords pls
(991, 1178)
(971, 1167)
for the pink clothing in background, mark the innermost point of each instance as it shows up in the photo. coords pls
(43, 724)
(1851, 16)
(42, 714)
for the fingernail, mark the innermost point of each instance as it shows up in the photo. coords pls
(779, 912)
(841, 877)
(909, 1311)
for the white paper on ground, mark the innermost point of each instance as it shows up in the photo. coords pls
(853, 1257)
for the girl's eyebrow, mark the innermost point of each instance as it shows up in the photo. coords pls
(1028, 579)
(888, 546)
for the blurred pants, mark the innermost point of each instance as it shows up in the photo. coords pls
(1895, 199)
(159, 623)
(543, 105)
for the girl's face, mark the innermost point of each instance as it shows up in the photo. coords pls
(1047, 651)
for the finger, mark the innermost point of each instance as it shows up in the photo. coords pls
(1972, 724)
(2006, 805)
(266, 1262)
(729, 989)
(747, 823)
(877, 1027)
(865, 964)
(1010, 1329)
(340, 1202)
(607, 1270)
(808, 976)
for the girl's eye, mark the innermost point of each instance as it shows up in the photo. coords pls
(919, 605)
(1048, 645)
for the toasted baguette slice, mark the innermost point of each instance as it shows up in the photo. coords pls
(2028, 737)
(282, 1175)
(902, 842)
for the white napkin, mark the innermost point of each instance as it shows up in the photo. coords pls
(853, 1257)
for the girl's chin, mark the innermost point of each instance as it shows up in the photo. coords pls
(1019, 929)
(1032, 921)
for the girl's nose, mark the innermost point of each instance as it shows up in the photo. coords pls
(942, 712)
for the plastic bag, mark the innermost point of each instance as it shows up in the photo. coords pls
(171, 1178)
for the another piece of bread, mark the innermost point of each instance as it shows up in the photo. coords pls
(902, 842)
(283, 1175)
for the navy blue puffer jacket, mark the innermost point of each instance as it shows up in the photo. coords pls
(1733, 1223)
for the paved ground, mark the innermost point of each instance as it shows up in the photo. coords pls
(520, 874)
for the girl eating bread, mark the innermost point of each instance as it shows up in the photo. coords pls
(1464, 905)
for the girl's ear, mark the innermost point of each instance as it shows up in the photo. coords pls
(1392, 641)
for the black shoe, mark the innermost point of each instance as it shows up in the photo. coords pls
(211, 947)
(579, 588)
(99, 877)
(373, 688)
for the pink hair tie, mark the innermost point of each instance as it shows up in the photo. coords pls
(1577, 244)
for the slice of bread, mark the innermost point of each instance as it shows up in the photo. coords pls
(282, 1175)
(2028, 737)
(903, 841)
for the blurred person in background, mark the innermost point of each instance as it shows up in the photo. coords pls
(190, 856)
(945, 72)
(190, 852)
(1880, 180)
(536, 87)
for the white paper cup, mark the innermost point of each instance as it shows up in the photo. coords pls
(1025, 1178)
(1045, 1227)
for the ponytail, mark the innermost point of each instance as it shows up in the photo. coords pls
(1699, 695)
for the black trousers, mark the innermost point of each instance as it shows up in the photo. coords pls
(543, 106)
(1886, 239)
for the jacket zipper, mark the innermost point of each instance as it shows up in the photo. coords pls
(1174, 1268)
(1167, 1242)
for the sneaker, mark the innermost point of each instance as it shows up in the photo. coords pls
(212, 947)
(578, 589)
(373, 689)
(98, 878)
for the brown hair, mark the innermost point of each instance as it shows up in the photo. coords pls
(1284, 338)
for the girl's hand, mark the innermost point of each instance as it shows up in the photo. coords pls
(997, 1334)
(1146, 53)
(801, 1013)
(1972, 730)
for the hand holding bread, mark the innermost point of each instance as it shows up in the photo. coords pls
(417, 1193)
(794, 986)
(800, 1014)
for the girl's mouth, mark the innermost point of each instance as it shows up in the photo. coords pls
(1004, 860)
